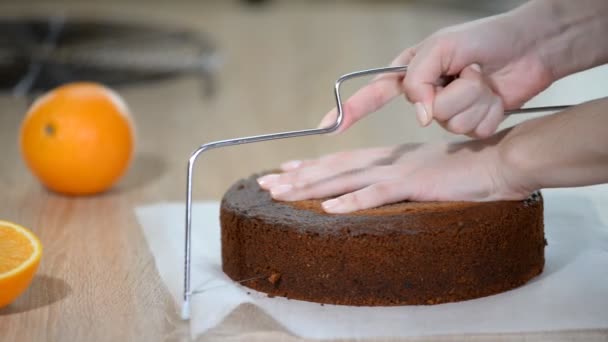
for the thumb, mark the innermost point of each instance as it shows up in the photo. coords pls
(423, 78)
(422, 94)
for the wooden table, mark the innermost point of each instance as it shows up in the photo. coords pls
(97, 279)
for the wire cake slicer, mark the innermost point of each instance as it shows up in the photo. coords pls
(187, 293)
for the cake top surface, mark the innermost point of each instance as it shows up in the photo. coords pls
(247, 198)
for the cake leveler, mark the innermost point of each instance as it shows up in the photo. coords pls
(283, 135)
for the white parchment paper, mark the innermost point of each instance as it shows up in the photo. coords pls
(572, 292)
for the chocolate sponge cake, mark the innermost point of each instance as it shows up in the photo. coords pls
(405, 253)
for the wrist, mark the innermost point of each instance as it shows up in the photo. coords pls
(534, 24)
(566, 149)
(518, 167)
(565, 35)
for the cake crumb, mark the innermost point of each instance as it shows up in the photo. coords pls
(274, 278)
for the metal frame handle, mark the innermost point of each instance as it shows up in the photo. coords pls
(275, 136)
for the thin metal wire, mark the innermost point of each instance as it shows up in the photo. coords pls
(276, 136)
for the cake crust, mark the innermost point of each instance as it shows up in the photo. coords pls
(404, 253)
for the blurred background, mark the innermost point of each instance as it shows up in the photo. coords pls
(197, 71)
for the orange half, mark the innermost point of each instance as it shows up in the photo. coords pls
(20, 252)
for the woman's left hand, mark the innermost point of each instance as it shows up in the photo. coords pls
(368, 178)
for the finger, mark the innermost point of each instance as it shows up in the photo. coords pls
(424, 72)
(371, 97)
(284, 182)
(267, 181)
(365, 101)
(339, 184)
(296, 164)
(293, 169)
(489, 125)
(278, 183)
(371, 196)
(460, 95)
(467, 121)
(311, 171)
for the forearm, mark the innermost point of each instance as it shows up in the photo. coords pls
(561, 150)
(568, 36)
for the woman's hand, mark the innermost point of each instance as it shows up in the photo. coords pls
(501, 63)
(369, 178)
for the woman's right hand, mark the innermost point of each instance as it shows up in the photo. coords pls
(497, 64)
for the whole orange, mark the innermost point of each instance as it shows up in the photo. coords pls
(78, 139)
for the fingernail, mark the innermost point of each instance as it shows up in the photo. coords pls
(290, 165)
(268, 180)
(328, 120)
(421, 114)
(331, 205)
(429, 114)
(280, 189)
(476, 67)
